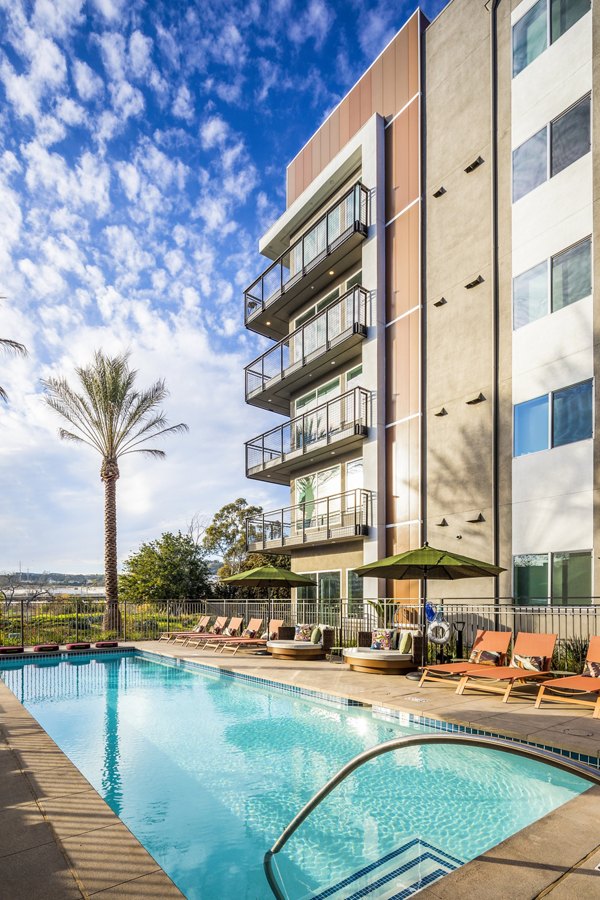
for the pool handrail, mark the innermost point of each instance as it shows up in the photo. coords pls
(472, 740)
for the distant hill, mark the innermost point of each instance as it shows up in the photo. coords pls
(53, 578)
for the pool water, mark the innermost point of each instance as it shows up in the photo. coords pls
(207, 770)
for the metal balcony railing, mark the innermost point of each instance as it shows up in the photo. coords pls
(323, 425)
(345, 515)
(327, 329)
(345, 217)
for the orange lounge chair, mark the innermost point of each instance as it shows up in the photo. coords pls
(586, 683)
(537, 647)
(223, 639)
(245, 643)
(201, 625)
(205, 639)
(220, 623)
(492, 642)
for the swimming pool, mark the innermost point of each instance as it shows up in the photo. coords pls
(207, 770)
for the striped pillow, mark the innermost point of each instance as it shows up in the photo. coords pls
(591, 668)
(529, 663)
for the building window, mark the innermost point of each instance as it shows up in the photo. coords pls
(570, 136)
(308, 592)
(553, 284)
(571, 420)
(355, 596)
(552, 149)
(562, 579)
(543, 24)
(572, 414)
(572, 275)
(329, 585)
(531, 426)
(530, 36)
(530, 295)
(530, 166)
(564, 13)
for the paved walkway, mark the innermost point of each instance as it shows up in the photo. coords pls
(59, 840)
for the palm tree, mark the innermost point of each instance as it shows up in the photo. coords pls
(12, 347)
(115, 419)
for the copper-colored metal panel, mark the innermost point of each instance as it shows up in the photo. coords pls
(366, 99)
(354, 101)
(402, 269)
(399, 539)
(414, 75)
(414, 453)
(389, 81)
(397, 349)
(377, 87)
(334, 133)
(401, 54)
(315, 155)
(344, 121)
(414, 373)
(402, 161)
(402, 455)
(307, 166)
(325, 153)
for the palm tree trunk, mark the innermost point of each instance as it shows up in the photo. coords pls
(112, 617)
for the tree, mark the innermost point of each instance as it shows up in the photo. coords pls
(170, 568)
(226, 534)
(11, 347)
(116, 420)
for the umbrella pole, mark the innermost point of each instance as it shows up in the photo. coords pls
(423, 620)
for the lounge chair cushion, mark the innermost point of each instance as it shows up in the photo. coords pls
(591, 668)
(315, 637)
(300, 646)
(381, 639)
(368, 653)
(487, 658)
(530, 663)
(40, 648)
(405, 642)
(11, 649)
(304, 633)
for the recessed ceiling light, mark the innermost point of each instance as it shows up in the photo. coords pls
(331, 272)
(267, 323)
(333, 452)
(312, 287)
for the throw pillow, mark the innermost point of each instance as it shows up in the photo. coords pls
(231, 632)
(381, 639)
(248, 633)
(486, 657)
(592, 668)
(405, 643)
(265, 636)
(217, 629)
(316, 635)
(303, 633)
(529, 663)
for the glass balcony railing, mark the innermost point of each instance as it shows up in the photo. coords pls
(340, 516)
(319, 427)
(346, 217)
(329, 328)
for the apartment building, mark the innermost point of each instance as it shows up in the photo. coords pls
(430, 305)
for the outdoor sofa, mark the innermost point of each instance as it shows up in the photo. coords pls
(304, 641)
(385, 651)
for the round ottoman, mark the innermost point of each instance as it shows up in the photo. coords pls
(295, 650)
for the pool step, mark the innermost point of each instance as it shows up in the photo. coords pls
(396, 875)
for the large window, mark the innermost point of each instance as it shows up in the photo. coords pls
(553, 284)
(552, 420)
(552, 149)
(355, 595)
(562, 579)
(542, 25)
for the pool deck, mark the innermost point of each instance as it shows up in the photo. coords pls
(60, 840)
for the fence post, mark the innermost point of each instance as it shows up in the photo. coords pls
(168, 615)
(22, 625)
(246, 613)
(76, 620)
(125, 620)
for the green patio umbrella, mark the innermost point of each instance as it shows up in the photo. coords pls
(269, 577)
(426, 562)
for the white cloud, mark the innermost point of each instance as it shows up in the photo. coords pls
(57, 17)
(71, 112)
(213, 132)
(88, 83)
(183, 105)
(140, 53)
(110, 9)
(130, 179)
(126, 250)
(313, 24)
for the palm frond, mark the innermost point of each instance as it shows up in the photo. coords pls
(3, 394)
(159, 454)
(13, 346)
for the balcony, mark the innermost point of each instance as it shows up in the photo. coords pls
(332, 241)
(314, 435)
(341, 517)
(273, 377)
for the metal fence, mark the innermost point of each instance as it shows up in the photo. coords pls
(24, 622)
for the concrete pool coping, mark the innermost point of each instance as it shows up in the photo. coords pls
(49, 845)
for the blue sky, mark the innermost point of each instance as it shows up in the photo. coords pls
(143, 148)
